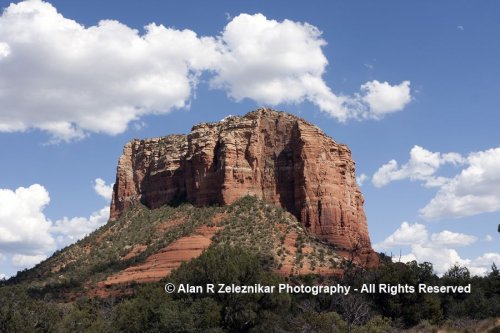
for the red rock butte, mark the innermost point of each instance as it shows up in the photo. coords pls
(275, 156)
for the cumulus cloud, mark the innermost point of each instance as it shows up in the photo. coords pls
(488, 238)
(61, 77)
(475, 190)
(436, 248)
(68, 230)
(22, 261)
(66, 79)
(2, 276)
(482, 263)
(4, 50)
(406, 234)
(22, 222)
(100, 187)
(28, 235)
(282, 62)
(452, 238)
(382, 98)
(422, 166)
(270, 61)
(361, 179)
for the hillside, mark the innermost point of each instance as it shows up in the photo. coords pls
(53, 298)
(263, 199)
(145, 245)
(275, 156)
(268, 181)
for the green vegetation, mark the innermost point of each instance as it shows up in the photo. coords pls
(263, 229)
(249, 222)
(103, 252)
(150, 309)
(254, 242)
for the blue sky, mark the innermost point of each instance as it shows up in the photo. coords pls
(411, 87)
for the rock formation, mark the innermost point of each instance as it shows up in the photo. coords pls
(273, 155)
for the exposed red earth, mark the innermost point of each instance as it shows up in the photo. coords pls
(275, 156)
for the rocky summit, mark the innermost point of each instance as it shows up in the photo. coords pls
(275, 156)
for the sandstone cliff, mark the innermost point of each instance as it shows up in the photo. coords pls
(273, 155)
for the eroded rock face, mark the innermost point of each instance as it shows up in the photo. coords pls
(273, 155)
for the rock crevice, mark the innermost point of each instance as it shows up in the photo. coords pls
(275, 156)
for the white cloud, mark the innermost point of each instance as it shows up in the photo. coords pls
(22, 261)
(386, 174)
(475, 190)
(441, 258)
(488, 238)
(23, 226)
(3, 276)
(4, 50)
(270, 61)
(361, 179)
(66, 79)
(382, 98)
(69, 230)
(105, 191)
(28, 235)
(406, 234)
(436, 248)
(422, 166)
(452, 238)
(482, 264)
(69, 80)
(282, 62)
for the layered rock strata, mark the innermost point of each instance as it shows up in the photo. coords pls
(272, 155)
